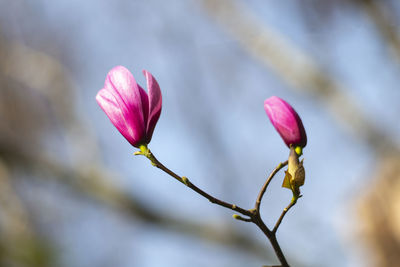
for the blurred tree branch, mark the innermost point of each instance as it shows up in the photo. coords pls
(19, 243)
(383, 17)
(94, 183)
(34, 85)
(27, 94)
(377, 210)
(297, 69)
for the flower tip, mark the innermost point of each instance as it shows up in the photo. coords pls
(145, 73)
(98, 97)
(286, 121)
(271, 99)
(116, 70)
(119, 67)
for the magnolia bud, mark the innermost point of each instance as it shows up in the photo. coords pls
(295, 175)
(286, 122)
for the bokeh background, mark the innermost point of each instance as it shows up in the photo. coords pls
(73, 194)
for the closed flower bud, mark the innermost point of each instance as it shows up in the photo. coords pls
(295, 174)
(132, 111)
(286, 121)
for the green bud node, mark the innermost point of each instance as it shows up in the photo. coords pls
(185, 180)
(299, 150)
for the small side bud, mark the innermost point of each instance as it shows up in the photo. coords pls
(295, 175)
(240, 218)
(299, 150)
(185, 180)
(236, 217)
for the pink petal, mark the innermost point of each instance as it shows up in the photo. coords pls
(155, 103)
(122, 85)
(145, 104)
(110, 106)
(286, 121)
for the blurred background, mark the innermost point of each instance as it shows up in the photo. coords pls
(73, 194)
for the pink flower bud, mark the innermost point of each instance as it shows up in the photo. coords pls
(132, 111)
(286, 121)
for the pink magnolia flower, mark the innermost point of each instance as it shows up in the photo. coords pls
(132, 111)
(286, 121)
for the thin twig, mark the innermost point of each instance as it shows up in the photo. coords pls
(189, 184)
(254, 214)
(272, 239)
(271, 235)
(264, 188)
(285, 210)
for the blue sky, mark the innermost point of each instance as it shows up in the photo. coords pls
(213, 127)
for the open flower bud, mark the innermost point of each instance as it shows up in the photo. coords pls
(132, 111)
(286, 121)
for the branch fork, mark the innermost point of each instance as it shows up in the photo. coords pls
(251, 215)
